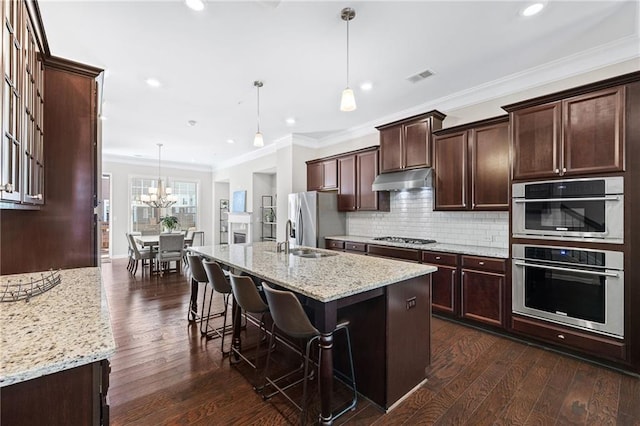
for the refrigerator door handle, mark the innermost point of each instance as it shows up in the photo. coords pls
(300, 228)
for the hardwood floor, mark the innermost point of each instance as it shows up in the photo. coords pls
(163, 372)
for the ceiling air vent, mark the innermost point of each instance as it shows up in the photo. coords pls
(420, 76)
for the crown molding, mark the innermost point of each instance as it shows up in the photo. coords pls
(153, 162)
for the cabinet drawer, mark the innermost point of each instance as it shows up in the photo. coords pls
(585, 342)
(440, 258)
(394, 252)
(484, 263)
(334, 244)
(362, 247)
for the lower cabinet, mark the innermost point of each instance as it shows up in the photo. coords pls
(445, 286)
(482, 287)
(77, 396)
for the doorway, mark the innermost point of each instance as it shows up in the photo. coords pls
(105, 219)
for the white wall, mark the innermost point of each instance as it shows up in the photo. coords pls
(121, 174)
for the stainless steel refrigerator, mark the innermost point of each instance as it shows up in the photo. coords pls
(314, 216)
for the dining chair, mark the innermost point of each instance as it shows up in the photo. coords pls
(170, 249)
(188, 239)
(198, 238)
(291, 319)
(139, 254)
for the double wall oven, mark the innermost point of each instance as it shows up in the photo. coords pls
(572, 285)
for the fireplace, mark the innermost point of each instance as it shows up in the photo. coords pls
(239, 237)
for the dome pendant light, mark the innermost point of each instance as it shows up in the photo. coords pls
(258, 141)
(348, 100)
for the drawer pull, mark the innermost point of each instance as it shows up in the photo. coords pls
(438, 257)
(561, 336)
(7, 187)
(480, 263)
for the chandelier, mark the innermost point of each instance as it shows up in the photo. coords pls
(160, 196)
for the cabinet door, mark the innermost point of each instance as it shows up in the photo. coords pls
(536, 141)
(330, 174)
(11, 138)
(482, 296)
(347, 188)
(490, 167)
(314, 176)
(416, 146)
(593, 137)
(444, 290)
(391, 149)
(367, 172)
(451, 171)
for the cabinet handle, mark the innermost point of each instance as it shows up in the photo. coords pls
(557, 171)
(35, 197)
(8, 187)
(437, 257)
(564, 170)
(561, 336)
(481, 263)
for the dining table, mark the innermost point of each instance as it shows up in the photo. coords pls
(153, 241)
(387, 303)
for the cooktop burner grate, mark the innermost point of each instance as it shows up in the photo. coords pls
(405, 240)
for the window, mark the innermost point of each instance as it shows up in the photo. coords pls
(145, 219)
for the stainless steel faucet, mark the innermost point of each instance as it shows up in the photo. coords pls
(284, 246)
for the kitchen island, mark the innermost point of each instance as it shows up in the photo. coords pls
(388, 305)
(54, 350)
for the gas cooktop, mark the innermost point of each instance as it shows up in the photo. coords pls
(404, 240)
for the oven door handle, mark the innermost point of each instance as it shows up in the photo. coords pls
(558, 268)
(550, 200)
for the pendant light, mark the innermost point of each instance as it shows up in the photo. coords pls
(160, 196)
(348, 100)
(258, 141)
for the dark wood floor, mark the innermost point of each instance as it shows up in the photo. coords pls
(163, 372)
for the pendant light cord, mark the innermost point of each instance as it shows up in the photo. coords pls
(258, 106)
(348, 51)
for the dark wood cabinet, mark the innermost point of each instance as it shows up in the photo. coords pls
(471, 165)
(577, 135)
(322, 175)
(406, 144)
(356, 173)
(411, 255)
(482, 290)
(445, 285)
(77, 396)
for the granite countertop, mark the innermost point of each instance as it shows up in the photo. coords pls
(324, 279)
(443, 247)
(63, 328)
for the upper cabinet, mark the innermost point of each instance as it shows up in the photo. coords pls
(471, 164)
(322, 175)
(576, 135)
(22, 99)
(356, 172)
(406, 144)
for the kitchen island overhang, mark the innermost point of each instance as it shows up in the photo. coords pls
(387, 302)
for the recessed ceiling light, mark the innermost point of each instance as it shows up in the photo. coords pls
(192, 123)
(153, 82)
(532, 9)
(366, 86)
(290, 121)
(230, 141)
(195, 4)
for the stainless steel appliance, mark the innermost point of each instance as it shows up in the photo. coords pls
(314, 216)
(576, 209)
(577, 287)
(404, 240)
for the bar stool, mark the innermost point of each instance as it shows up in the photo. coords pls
(198, 276)
(248, 299)
(291, 319)
(220, 284)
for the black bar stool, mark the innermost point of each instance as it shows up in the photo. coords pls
(291, 319)
(198, 276)
(248, 298)
(221, 285)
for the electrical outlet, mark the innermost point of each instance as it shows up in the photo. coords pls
(411, 303)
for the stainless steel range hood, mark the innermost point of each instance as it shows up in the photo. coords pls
(399, 181)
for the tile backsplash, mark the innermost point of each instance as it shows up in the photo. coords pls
(412, 215)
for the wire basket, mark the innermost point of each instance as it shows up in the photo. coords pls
(24, 288)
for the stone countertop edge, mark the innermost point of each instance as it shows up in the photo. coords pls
(502, 253)
(326, 279)
(66, 327)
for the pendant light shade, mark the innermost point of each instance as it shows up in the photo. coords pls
(258, 140)
(348, 100)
